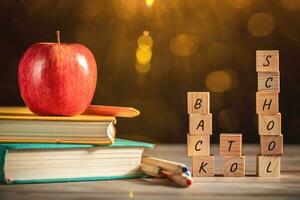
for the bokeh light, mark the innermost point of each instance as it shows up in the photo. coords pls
(143, 54)
(184, 45)
(291, 4)
(239, 3)
(142, 68)
(149, 3)
(218, 81)
(125, 9)
(145, 40)
(261, 24)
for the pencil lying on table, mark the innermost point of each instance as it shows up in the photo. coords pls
(173, 167)
(181, 179)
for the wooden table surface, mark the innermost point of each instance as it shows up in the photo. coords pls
(218, 187)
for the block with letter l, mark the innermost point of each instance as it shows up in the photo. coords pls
(268, 166)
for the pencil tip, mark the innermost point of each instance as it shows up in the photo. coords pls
(184, 169)
(189, 182)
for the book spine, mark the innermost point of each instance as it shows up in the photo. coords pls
(3, 151)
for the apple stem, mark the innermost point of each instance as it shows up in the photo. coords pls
(58, 36)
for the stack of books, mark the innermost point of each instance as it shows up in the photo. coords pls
(42, 149)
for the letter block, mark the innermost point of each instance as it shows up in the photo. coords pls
(198, 145)
(198, 102)
(203, 166)
(267, 103)
(268, 166)
(234, 166)
(200, 124)
(269, 124)
(269, 81)
(271, 145)
(230, 144)
(267, 61)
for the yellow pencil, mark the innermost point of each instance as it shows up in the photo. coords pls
(172, 167)
(152, 170)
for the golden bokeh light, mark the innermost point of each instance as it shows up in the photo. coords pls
(218, 81)
(218, 53)
(142, 68)
(143, 54)
(184, 45)
(149, 3)
(239, 3)
(145, 40)
(261, 24)
(90, 10)
(291, 4)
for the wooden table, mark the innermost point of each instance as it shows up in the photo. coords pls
(218, 187)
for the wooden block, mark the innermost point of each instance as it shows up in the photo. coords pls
(198, 145)
(269, 81)
(269, 124)
(234, 166)
(271, 145)
(200, 124)
(267, 61)
(198, 102)
(230, 144)
(268, 166)
(267, 103)
(203, 166)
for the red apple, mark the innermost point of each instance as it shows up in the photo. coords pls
(57, 78)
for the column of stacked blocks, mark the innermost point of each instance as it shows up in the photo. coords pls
(269, 118)
(198, 138)
(231, 150)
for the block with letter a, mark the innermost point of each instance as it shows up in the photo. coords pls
(267, 103)
(267, 61)
(198, 102)
(200, 124)
(198, 145)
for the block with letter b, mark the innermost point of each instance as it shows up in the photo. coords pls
(234, 166)
(203, 166)
(271, 145)
(200, 124)
(198, 102)
(230, 144)
(267, 103)
(198, 145)
(267, 61)
(269, 81)
(268, 166)
(269, 124)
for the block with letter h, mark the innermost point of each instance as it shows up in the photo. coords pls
(200, 129)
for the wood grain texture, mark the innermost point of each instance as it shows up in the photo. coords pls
(203, 166)
(230, 144)
(211, 188)
(234, 166)
(271, 145)
(198, 145)
(267, 61)
(268, 166)
(267, 103)
(198, 102)
(268, 81)
(200, 124)
(269, 124)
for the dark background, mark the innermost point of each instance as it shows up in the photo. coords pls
(191, 40)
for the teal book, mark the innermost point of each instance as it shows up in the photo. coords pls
(22, 163)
